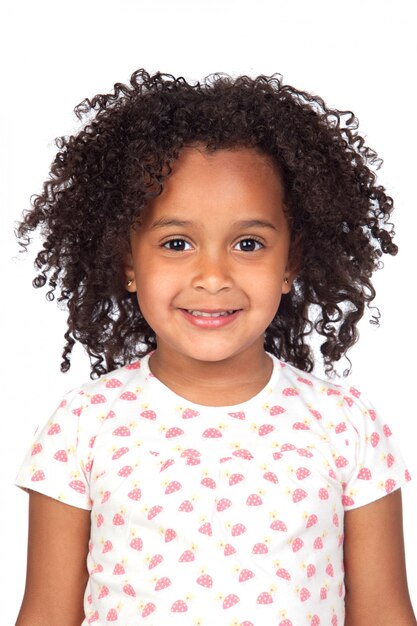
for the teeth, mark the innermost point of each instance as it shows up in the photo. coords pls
(204, 314)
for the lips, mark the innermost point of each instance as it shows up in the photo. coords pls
(210, 318)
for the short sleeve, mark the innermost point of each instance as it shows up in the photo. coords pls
(378, 467)
(58, 463)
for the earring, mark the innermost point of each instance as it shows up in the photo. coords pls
(129, 282)
(286, 281)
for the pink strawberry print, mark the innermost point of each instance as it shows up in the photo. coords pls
(286, 447)
(128, 395)
(135, 365)
(228, 550)
(149, 415)
(112, 616)
(186, 557)
(129, 591)
(276, 410)
(254, 500)
(78, 485)
(304, 452)
(298, 495)
(135, 494)
(38, 475)
(347, 501)
(189, 414)
(265, 429)
(285, 622)
(122, 431)
(340, 428)
(323, 493)
(107, 546)
(238, 529)
(230, 600)
(148, 609)
(125, 471)
(154, 510)
(205, 580)
(390, 460)
(312, 520)
(390, 485)
(118, 520)
(155, 560)
(264, 598)
(290, 391)
(136, 543)
(208, 482)
(302, 472)
(283, 573)
(206, 529)
(172, 487)
(387, 430)
(120, 452)
(174, 432)
(318, 543)
(315, 620)
(311, 570)
(97, 569)
(98, 398)
(278, 525)
(186, 506)
(167, 464)
(316, 414)
(323, 593)
(348, 400)
(304, 594)
(112, 383)
(99, 520)
(341, 461)
(333, 392)
(61, 455)
(37, 448)
(162, 583)
(305, 381)
(365, 473)
(354, 392)
(329, 570)
(243, 454)
(179, 606)
(260, 548)
(245, 574)
(55, 429)
(375, 439)
(170, 534)
(223, 504)
(297, 544)
(212, 433)
(271, 476)
(235, 478)
(300, 426)
(239, 415)
(118, 569)
(104, 591)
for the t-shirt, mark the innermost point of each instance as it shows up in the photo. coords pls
(214, 515)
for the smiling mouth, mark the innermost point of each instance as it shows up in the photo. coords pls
(196, 313)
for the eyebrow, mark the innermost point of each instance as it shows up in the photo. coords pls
(165, 222)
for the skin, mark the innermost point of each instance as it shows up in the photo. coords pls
(210, 268)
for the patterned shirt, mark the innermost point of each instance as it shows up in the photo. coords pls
(214, 515)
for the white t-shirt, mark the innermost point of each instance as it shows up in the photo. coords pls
(214, 515)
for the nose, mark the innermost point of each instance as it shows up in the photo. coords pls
(212, 272)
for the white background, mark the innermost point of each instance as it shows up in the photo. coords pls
(357, 55)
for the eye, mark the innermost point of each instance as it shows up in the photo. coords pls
(249, 244)
(177, 245)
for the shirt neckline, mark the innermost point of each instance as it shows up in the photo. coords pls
(162, 390)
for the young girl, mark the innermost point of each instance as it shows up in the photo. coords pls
(198, 235)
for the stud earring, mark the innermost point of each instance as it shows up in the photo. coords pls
(286, 281)
(129, 282)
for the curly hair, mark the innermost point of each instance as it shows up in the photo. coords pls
(103, 177)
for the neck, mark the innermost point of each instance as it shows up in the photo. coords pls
(213, 383)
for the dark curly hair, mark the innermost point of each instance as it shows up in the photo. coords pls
(103, 177)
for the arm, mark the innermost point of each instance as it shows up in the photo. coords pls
(376, 583)
(56, 571)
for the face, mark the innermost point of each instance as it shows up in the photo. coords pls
(209, 262)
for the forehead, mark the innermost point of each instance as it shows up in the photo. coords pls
(230, 178)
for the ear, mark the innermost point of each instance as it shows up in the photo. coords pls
(128, 273)
(294, 263)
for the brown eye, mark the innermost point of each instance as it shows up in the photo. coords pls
(176, 245)
(249, 245)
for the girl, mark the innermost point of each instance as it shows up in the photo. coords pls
(198, 235)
